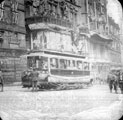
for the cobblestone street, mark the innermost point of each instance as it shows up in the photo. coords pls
(93, 103)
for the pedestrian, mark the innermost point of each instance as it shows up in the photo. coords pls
(91, 81)
(34, 79)
(1, 80)
(121, 81)
(110, 80)
(115, 83)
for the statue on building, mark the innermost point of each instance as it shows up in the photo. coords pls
(66, 10)
(14, 10)
(36, 4)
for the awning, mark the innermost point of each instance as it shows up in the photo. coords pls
(102, 38)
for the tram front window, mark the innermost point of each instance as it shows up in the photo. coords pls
(38, 62)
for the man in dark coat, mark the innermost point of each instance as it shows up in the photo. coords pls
(1, 80)
(115, 84)
(110, 80)
(34, 79)
(121, 81)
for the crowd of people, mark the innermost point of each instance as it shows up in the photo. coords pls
(32, 76)
(115, 80)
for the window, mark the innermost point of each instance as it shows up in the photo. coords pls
(35, 41)
(73, 64)
(62, 12)
(63, 64)
(79, 65)
(85, 66)
(43, 63)
(54, 63)
(68, 64)
(55, 10)
(30, 62)
(39, 62)
(27, 10)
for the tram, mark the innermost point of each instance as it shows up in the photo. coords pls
(58, 70)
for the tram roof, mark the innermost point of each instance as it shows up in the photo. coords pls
(55, 54)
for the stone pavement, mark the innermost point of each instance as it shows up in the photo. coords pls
(93, 103)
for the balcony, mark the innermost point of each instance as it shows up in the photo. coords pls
(99, 30)
(113, 35)
(92, 26)
(48, 19)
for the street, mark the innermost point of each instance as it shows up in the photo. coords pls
(93, 103)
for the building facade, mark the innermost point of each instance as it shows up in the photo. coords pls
(54, 25)
(99, 37)
(12, 39)
(115, 45)
(80, 27)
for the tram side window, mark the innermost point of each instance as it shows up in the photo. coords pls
(68, 64)
(54, 63)
(63, 64)
(79, 65)
(73, 64)
(86, 66)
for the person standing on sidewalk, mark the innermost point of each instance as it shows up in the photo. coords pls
(34, 79)
(115, 83)
(110, 80)
(121, 81)
(1, 80)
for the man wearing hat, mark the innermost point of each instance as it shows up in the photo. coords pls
(111, 79)
(34, 79)
(1, 80)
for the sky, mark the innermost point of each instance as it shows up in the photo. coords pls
(115, 10)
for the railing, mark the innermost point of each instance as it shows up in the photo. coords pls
(48, 19)
(103, 32)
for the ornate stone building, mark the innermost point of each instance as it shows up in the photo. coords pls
(99, 37)
(12, 39)
(54, 25)
(79, 27)
(104, 41)
(74, 26)
(115, 45)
